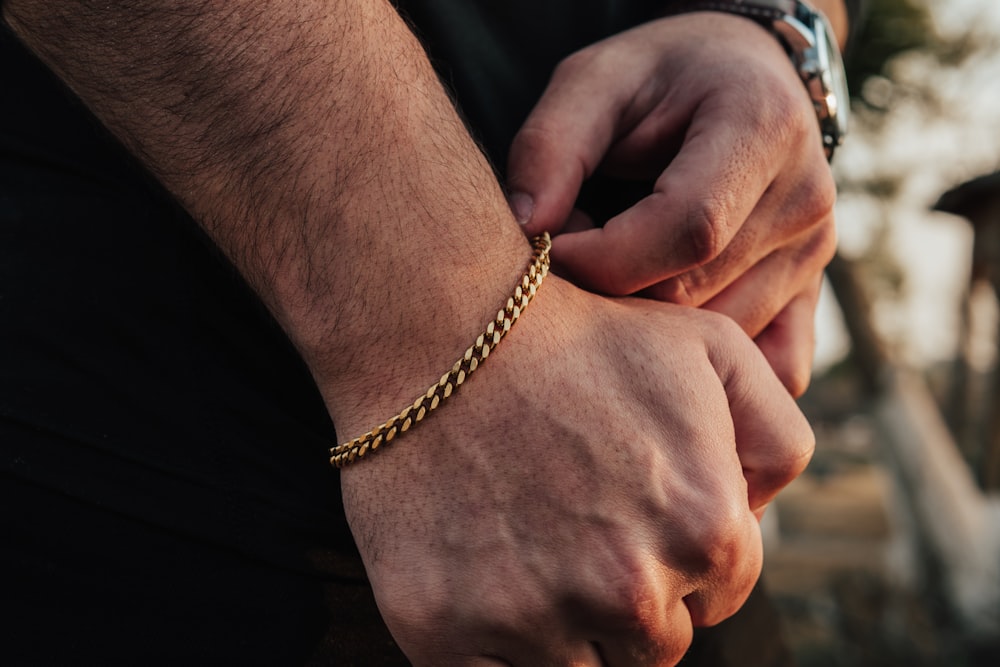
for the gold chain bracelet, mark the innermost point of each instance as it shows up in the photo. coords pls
(429, 401)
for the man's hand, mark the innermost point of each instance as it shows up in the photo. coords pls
(740, 218)
(587, 498)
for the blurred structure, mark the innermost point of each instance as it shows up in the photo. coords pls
(974, 419)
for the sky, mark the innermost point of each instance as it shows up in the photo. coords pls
(929, 148)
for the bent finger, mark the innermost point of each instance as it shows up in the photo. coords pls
(759, 294)
(789, 341)
(695, 210)
(720, 596)
(673, 638)
(784, 220)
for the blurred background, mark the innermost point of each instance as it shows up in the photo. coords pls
(887, 551)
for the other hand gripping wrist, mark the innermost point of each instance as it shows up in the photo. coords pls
(351, 451)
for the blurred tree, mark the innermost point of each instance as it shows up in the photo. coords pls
(890, 27)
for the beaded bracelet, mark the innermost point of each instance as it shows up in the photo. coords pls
(477, 353)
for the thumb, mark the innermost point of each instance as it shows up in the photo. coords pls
(544, 177)
(559, 146)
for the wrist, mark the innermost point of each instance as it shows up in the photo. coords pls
(461, 371)
(416, 313)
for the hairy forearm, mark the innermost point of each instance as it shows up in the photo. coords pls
(314, 143)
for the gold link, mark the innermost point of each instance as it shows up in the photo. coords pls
(346, 453)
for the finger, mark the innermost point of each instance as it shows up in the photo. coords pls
(719, 597)
(792, 211)
(773, 439)
(564, 139)
(719, 544)
(630, 605)
(759, 294)
(789, 341)
(675, 639)
(697, 206)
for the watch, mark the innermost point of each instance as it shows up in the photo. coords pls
(809, 40)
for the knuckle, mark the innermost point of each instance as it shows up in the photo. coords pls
(707, 230)
(797, 457)
(720, 542)
(632, 600)
(693, 287)
(796, 379)
(791, 459)
(681, 290)
(817, 196)
(724, 330)
(825, 242)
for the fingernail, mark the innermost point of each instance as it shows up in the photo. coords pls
(522, 205)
